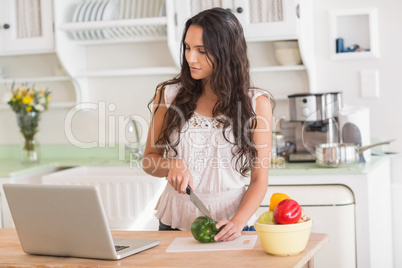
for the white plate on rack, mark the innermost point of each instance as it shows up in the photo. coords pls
(98, 17)
(95, 10)
(94, 13)
(111, 12)
(77, 12)
(75, 19)
(81, 17)
(100, 10)
(89, 10)
(87, 16)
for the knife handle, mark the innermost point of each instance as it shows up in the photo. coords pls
(188, 189)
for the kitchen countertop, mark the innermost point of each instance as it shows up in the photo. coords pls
(13, 168)
(57, 156)
(370, 184)
(65, 156)
(12, 255)
(311, 168)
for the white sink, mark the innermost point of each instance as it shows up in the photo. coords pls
(104, 171)
(129, 195)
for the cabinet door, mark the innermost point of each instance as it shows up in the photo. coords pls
(261, 19)
(27, 26)
(268, 19)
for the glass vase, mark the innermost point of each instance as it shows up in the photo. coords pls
(28, 123)
(30, 152)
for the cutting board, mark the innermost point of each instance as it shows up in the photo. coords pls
(183, 244)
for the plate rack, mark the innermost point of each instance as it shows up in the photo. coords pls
(127, 30)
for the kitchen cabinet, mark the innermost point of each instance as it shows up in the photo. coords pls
(368, 189)
(34, 176)
(263, 22)
(26, 27)
(27, 55)
(125, 210)
(332, 208)
(43, 71)
(123, 48)
(261, 19)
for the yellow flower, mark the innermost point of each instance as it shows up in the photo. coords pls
(27, 99)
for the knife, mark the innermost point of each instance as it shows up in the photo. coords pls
(197, 202)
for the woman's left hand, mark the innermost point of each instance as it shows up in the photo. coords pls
(229, 231)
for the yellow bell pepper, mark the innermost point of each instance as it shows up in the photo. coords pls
(275, 199)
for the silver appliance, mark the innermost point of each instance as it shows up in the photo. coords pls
(313, 120)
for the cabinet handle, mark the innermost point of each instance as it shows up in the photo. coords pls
(6, 26)
(298, 11)
(228, 9)
(239, 10)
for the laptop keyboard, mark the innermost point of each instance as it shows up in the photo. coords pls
(118, 248)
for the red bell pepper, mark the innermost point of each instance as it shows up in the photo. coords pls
(288, 211)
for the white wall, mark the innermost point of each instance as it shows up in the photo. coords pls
(332, 75)
(343, 75)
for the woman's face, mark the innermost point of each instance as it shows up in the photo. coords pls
(200, 65)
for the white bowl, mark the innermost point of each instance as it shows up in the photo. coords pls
(287, 52)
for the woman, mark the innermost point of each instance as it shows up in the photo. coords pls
(210, 130)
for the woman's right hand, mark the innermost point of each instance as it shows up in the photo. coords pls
(179, 176)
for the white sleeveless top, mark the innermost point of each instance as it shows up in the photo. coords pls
(209, 158)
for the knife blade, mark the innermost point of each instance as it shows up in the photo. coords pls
(198, 203)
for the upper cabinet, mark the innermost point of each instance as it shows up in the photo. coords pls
(26, 27)
(264, 22)
(99, 39)
(87, 27)
(261, 19)
(113, 39)
(268, 20)
(102, 22)
(127, 38)
(27, 51)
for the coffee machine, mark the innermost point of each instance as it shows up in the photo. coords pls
(313, 120)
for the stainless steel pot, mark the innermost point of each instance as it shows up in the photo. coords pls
(341, 154)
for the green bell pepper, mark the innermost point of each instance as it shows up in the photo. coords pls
(204, 229)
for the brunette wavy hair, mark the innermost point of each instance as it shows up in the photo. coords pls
(224, 42)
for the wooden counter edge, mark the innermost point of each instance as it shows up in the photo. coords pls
(17, 258)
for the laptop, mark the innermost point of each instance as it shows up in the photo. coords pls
(66, 220)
